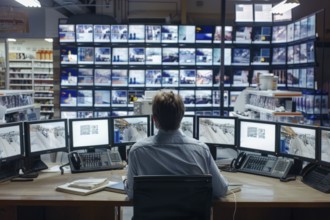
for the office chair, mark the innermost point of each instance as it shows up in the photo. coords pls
(187, 197)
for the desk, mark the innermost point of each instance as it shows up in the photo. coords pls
(260, 198)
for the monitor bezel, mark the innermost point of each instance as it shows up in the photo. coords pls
(112, 121)
(71, 130)
(223, 145)
(21, 139)
(260, 151)
(296, 157)
(28, 150)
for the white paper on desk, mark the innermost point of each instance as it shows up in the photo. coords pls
(56, 169)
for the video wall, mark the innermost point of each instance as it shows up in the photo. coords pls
(105, 68)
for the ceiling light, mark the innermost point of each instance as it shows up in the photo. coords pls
(50, 40)
(11, 39)
(285, 6)
(29, 3)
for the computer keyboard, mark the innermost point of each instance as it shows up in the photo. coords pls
(98, 161)
(266, 166)
(318, 178)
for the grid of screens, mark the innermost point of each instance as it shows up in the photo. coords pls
(89, 133)
(11, 141)
(217, 130)
(257, 136)
(46, 136)
(126, 130)
(298, 141)
(106, 66)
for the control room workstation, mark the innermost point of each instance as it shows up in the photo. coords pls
(273, 149)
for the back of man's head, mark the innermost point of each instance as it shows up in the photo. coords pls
(167, 110)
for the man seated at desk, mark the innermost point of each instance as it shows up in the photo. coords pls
(170, 152)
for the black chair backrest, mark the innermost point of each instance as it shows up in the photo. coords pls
(187, 197)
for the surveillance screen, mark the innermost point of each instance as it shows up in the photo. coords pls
(187, 56)
(136, 55)
(102, 98)
(119, 33)
(102, 33)
(102, 77)
(186, 34)
(153, 33)
(188, 77)
(102, 55)
(310, 51)
(66, 33)
(85, 97)
(153, 77)
(136, 33)
(311, 26)
(279, 34)
(119, 98)
(47, 136)
(186, 126)
(169, 33)
(298, 141)
(85, 55)
(204, 56)
(204, 34)
(170, 78)
(261, 34)
(153, 56)
(204, 77)
(262, 13)
(119, 55)
(303, 28)
(325, 146)
(136, 78)
(68, 97)
(241, 56)
(69, 55)
(84, 32)
(243, 34)
(89, 133)
(170, 56)
(257, 136)
(119, 77)
(279, 55)
(69, 76)
(10, 142)
(216, 130)
(85, 77)
(129, 129)
(203, 98)
(244, 12)
(261, 56)
(188, 97)
(228, 34)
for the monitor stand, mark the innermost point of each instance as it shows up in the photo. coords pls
(9, 170)
(31, 166)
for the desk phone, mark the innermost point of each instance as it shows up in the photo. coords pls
(263, 165)
(95, 161)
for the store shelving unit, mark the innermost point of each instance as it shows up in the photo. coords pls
(17, 103)
(34, 75)
(266, 104)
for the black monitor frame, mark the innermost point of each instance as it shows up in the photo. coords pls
(27, 131)
(74, 122)
(114, 137)
(8, 137)
(321, 160)
(295, 156)
(257, 133)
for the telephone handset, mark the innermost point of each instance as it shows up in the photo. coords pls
(74, 160)
(238, 162)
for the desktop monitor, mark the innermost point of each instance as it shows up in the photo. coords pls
(89, 133)
(45, 136)
(298, 141)
(324, 151)
(216, 130)
(126, 130)
(187, 126)
(257, 136)
(12, 144)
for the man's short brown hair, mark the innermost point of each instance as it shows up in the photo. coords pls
(168, 109)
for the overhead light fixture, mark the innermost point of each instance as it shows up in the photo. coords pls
(30, 3)
(50, 40)
(285, 6)
(11, 39)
